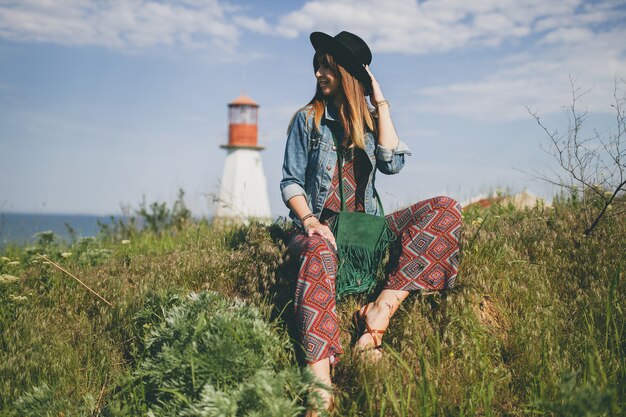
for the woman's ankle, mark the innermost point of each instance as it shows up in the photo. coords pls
(377, 315)
(390, 301)
(320, 399)
(321, 371)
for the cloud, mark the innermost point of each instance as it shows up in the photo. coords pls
(258, 25)
(434, 26)
(125, 24)
(539, 78)
(556, 38)
(568, 35)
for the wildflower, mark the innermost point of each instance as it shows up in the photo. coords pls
(66, 254)
(125, 242)
(18, 298)
(4, 259)
(13, 263)
(452, 354)
(8, 279)
(479, 220)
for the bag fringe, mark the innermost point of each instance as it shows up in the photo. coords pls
(359, 266)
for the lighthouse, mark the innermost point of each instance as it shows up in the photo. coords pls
(243, 190)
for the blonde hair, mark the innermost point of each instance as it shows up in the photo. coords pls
(356, 116)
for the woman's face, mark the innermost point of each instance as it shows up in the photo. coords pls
(329, 83)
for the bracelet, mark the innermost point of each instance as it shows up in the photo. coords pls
(383, 102)
(306, 217)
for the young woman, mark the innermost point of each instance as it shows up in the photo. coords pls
(338, 119)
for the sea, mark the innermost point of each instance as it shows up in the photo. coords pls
(22, 228)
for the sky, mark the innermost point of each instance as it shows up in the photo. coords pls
(105, 103)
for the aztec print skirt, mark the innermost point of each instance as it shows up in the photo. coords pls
(425, 257)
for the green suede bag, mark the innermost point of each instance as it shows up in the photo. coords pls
(362, 240)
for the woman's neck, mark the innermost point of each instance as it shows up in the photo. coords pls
(339, 100)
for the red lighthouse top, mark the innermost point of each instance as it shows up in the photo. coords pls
(243, 100)
(242, 123)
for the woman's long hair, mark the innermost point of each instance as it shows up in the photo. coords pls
(355, 115)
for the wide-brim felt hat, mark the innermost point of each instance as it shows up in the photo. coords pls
(349, 51)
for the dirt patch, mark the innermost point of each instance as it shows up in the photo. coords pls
(490, 316)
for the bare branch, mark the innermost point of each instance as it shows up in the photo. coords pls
(593, 166)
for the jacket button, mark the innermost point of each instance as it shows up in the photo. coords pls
(328, 167)
(334, 148)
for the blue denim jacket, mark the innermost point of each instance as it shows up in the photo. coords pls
(311, 157)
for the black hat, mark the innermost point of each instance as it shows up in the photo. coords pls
(350, 51)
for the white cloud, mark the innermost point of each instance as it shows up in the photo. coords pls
(412, 27)
(538, 78)
(557, 37)
(567, 35)
(125, 24)
(258, 25)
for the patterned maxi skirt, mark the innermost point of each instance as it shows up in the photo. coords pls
(425, 257)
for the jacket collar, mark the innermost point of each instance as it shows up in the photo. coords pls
(330, 111)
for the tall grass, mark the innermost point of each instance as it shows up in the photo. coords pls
(535, 326)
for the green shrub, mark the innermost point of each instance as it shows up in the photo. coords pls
(536, 301)
(212, 356)
(41, 401)
(578, 399)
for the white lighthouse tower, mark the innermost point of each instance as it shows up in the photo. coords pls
(243, 191)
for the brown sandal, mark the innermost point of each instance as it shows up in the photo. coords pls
(360, 322)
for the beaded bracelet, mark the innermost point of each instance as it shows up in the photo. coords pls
(382, 102)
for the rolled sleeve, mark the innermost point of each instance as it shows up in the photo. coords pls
(292, 190)
(384, 154)
(296, 158)
(391, 161)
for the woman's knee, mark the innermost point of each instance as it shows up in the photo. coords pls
(450, 203)
(314, 244)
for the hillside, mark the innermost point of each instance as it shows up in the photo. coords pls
(535, 326)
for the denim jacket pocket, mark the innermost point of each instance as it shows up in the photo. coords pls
(314, 140)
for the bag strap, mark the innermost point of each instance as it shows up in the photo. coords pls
(340, 168)
(338, 147)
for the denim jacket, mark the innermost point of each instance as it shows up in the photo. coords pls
(311, 157)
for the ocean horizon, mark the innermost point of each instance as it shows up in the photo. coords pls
(22, 228)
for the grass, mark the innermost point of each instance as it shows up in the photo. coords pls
(535, 326)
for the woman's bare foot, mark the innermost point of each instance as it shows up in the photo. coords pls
(327, 403)
(377, 317)
(376, 320)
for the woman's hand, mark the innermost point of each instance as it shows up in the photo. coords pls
(317, 228)
(387, 136)
(377, 94)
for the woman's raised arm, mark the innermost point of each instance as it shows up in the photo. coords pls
(387, 135)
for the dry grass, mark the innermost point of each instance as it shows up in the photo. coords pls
(535, 326)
